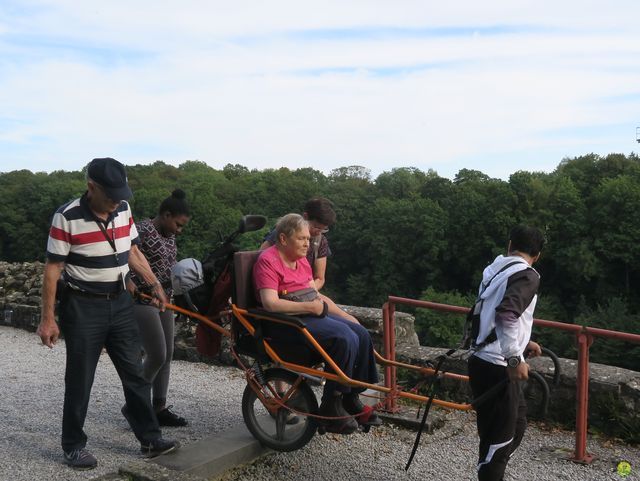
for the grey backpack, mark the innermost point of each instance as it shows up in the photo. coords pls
(189, 289)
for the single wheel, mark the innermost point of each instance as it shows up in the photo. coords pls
(536, 392)
(270, 427)
(556, 364)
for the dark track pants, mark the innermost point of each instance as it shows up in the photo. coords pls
(501, 420)
(88, 325)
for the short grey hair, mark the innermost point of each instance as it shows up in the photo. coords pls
(289, 225)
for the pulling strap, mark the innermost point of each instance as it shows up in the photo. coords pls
(431, 392)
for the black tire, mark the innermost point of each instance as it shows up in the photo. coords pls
(272, 430)
(536, 392)
(556, 364)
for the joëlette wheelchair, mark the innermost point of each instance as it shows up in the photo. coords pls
(279, 405)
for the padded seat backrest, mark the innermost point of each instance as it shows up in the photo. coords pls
(243, 290)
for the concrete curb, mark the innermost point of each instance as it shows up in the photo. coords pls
(214, 455)
(149, 471)
(200, 461)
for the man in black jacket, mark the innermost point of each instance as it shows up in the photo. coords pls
(508, 295)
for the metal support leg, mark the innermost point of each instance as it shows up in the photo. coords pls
(580, 454)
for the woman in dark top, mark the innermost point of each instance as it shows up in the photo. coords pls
(158, 244)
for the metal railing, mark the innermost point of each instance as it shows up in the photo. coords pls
(584, 339)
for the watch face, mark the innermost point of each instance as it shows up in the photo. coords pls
(513, 361)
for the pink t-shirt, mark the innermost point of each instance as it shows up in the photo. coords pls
(270, 272)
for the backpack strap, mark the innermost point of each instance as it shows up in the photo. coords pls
(472, 325)
(485, 286)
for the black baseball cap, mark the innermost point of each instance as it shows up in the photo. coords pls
(111, 176)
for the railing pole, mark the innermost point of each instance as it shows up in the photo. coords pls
(392, 352)
(388, 399)
(580, 454)
(584, 338)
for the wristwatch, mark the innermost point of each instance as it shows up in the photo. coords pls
(513, 361)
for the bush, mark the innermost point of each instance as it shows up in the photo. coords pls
(441, 329)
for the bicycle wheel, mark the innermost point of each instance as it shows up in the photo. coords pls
(536, 392)
(271, 427)
(556, 364)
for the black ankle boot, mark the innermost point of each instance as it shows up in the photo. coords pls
(332, 407)
(353, 405)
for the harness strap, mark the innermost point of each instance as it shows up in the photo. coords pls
(431, 392)
(472, 330)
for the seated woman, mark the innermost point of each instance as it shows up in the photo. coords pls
(282, 270)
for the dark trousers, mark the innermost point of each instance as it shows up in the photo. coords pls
(349, 345)
(501, 420)
(88, 325)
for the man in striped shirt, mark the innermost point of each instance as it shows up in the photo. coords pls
(92, 244)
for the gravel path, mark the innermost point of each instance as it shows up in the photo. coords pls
(447, 455)
(32, 379)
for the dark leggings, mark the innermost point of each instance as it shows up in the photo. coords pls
(156, 334)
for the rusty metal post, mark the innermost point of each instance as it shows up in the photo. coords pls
(580, 454)
(388, 399)
(392, 353)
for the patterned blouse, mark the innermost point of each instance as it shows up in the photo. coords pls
(160, 251)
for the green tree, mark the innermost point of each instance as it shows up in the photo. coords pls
(442, 329)
(616, 222)
(481, 214)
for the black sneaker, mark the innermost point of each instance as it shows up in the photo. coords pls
(157, 447)
(80, 459)
(166, 417)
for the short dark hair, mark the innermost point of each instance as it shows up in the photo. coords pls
(175, 204)
(529, 240)
(320, 210)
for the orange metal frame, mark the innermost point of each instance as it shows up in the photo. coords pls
(391, 391)
(243, 316)
(584, 338)
(209, 321)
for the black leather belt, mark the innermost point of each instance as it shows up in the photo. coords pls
(96, 295)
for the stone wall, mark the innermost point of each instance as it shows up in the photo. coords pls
(614, 393)
(20, 288)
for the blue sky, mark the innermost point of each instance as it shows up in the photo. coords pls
(495, 86)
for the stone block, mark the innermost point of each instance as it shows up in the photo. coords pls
(150, 471)
(213, 456)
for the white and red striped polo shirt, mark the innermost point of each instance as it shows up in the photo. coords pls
(91, 264)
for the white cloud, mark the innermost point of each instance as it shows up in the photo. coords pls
(228, 82)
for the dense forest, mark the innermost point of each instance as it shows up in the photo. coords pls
(407, 232)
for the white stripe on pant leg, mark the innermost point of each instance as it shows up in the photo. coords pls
(492, 450)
